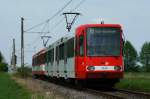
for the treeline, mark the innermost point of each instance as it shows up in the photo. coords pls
(137, 62)
(133, 61)
(3, 64)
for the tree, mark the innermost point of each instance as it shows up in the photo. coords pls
(1, 57)
(3, 67)
(3, 64)
(130, 56)
(145, 56)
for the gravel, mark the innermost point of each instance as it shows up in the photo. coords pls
(47, 90)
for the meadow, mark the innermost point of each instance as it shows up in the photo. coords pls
(9, 89)
(135, 81)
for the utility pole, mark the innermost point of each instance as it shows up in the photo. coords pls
(14, 55)
(22, 43)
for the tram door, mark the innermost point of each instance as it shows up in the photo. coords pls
(65, 60)
(80, 55)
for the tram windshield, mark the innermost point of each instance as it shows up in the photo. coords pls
(103, 41)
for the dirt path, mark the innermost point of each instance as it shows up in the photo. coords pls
(37, 89)
(47, 90)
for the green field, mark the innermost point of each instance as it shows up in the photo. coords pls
(9, 89)
(135, 81)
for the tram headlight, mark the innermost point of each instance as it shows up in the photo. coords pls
(91, 68)
(117, 68)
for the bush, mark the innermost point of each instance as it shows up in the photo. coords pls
(3, 67)
(23, 72)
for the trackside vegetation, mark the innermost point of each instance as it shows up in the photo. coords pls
(9, 89)
(135, 81)
(3, 64)
(132, 58)
(137, 76)
(23, 72)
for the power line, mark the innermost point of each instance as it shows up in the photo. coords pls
(78, 5)
(47, 21)
(51, 16)
(37, 32)
(42, 31)
(57, 24)
(60, 21)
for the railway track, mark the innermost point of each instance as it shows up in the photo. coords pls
(105, 95)
(120, 94)
(136, 94)
(111, 93)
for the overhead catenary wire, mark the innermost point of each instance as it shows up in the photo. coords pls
(54, 27)
(47, 21)
(60, 21)
(59, 11)
(78, 5)
(42, 31)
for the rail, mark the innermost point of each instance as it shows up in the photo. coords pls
(110, 94)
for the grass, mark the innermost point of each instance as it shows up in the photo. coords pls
(135, 81)
(9, 89)
(39, 90)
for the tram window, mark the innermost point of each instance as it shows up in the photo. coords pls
(57, 54)
(76, 44)
(38, 60)
(49, 56)
(44, 58)
(33, 62)
(81, 45)
(61, 52)
(70, 48)
(65, 53)
(52, 55)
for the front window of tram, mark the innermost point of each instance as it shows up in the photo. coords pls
(103, 41)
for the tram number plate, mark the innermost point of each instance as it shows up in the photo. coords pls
(104, 67)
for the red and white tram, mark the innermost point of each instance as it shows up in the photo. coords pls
(93, 53)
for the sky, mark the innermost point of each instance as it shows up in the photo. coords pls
(133, 15)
